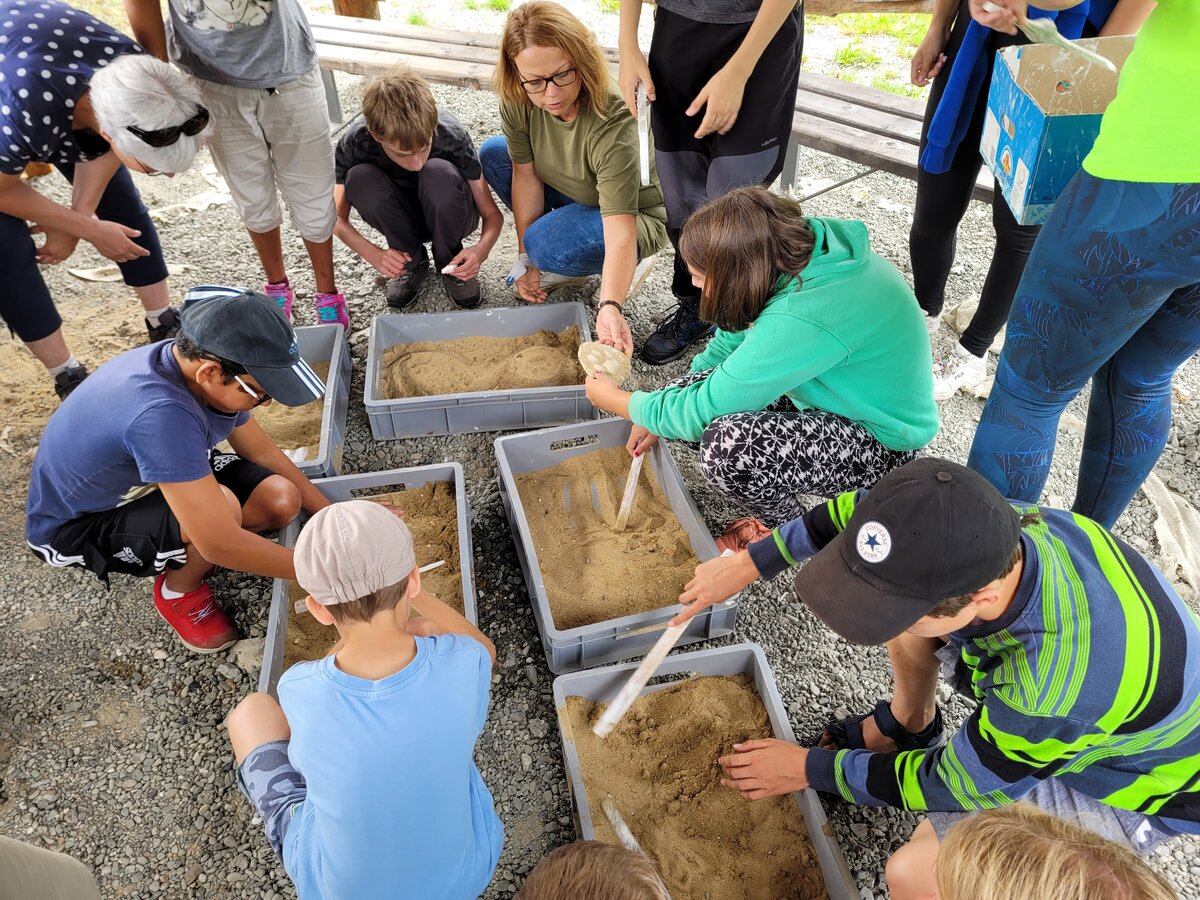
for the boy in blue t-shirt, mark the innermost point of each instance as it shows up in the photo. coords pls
(363, 772)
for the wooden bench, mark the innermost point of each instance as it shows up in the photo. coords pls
(868, 126)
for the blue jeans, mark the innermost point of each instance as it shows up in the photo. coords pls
(568, 239)
(1111, 293)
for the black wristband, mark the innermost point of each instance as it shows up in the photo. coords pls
(604, 303)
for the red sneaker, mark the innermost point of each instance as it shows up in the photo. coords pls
(741, 533)
(199, 622)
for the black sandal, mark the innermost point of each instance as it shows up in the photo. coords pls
(847, 733)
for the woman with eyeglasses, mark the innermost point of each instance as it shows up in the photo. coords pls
(79, 95)
(567, 166)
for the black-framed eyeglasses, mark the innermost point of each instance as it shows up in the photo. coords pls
(236, 371)
(560, 79)
(165, 137)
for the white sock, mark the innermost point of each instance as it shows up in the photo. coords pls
(168, 594)
(152, 315)
(58, 370)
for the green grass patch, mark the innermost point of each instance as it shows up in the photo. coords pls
(609, 6)
(417, 18)
(908, 28)
(498, 5)
(471, 4)
(855, 55)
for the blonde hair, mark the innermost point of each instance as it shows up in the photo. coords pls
(541, 23)
(590, 870)
(399, 108)
(1017, 852)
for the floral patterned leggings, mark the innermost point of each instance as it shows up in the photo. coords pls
(765, 461)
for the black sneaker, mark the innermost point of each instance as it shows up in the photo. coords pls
(167, 327)
(403, 289)
(671, 339)
(69, 379)
(465, 294)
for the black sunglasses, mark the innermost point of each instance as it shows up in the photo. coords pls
(165, 137)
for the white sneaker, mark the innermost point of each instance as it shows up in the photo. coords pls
(933, 324)
(551, 282)
(958, 369)
(640, 274)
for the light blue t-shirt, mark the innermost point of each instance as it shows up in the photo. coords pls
(396, 807)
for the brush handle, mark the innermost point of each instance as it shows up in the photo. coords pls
(617, 821)
(635, 471)
(641, 675)
(643, 124)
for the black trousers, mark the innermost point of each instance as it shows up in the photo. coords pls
(441, 210)
(684, 55)
(25, 303)
(942, 202)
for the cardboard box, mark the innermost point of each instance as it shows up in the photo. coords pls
(1043, 115)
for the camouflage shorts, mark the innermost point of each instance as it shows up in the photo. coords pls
(273, 787)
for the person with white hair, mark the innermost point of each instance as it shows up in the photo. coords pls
(53, 109)
(256, 66)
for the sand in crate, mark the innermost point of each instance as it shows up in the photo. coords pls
(293, 427)
(466, 364)
(660, 768)
(432, 516)
(591, 572)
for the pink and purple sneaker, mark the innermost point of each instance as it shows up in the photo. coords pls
(332, 308)
(281, 293)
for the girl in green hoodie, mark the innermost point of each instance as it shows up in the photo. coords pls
(818, 380)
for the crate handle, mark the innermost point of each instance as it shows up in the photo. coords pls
(586, 440)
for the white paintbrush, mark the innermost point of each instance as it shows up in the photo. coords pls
(1044, 31)
(643, 125)
(635, 471)
(641, 675)
(624, 835)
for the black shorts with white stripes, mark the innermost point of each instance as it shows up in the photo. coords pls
(142, 537)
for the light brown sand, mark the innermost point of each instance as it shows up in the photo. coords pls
(461, 365)
(591, 572)
(660, 768)
(432, 517)
(293, 427)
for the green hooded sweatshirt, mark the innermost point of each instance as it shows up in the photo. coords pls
(847, 337)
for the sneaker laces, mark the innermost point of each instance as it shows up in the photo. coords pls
(197, 609)
(327, 312)
(676, 321)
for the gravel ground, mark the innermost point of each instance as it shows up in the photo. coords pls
(111, 740)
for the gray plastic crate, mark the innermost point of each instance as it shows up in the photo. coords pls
(477, 410)
(321, 344)
(343, 488)
(614, 639)
(602, 685)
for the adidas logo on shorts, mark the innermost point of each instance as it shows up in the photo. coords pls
(126, 555)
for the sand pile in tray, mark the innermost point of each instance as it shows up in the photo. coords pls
(660, 768)
(294, 427)
(461, 365)
(591, 572)
(432, 516)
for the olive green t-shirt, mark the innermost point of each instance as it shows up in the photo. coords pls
(1151, 130)
(593, 160)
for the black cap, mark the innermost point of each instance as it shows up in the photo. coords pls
(928, 531)
(250, 329)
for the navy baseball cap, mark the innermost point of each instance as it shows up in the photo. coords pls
(250, 330)
(928, 531)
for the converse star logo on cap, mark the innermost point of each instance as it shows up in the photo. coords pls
(874, 542)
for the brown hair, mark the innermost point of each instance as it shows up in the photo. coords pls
(952, 606)
(365, 608)
(590, 870)
(1019, 852)
(544, 24)
(742, 243)
(399, 108)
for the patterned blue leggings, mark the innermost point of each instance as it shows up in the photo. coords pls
(1111, 293)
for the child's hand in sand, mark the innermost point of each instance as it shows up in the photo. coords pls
(765, 768)
(640, 440)
(716, 581)
(392, 508)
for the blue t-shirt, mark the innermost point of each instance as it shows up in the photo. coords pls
(48, 52)
(131, 424)
(396, 807)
